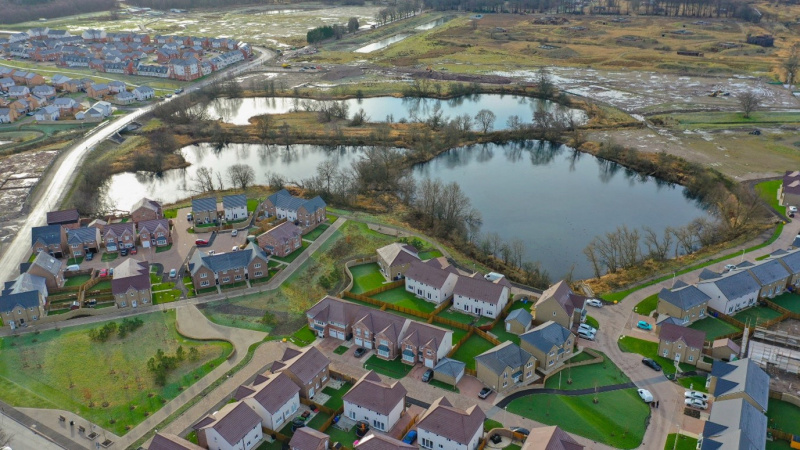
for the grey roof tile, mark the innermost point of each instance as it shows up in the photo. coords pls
(685, 298)
(234, 201)
(204, 204)
(742, 376)
(505, 355)
(375, 395)
(547, 335)
(48, 235)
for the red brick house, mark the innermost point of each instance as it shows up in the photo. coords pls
(154, 233)
(281, 240)
(146, 209)
(228, 268)
(119, 235)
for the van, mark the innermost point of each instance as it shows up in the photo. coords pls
(493, 276)
(73, 267)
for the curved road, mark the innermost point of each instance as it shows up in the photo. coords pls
(54, 185)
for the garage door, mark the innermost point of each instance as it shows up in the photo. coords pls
(359, 342)
(340, 335)
(332, 332)
(367, 344)
(146, 244)
(429, 363)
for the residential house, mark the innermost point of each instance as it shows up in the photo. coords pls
(115, 87)
(125, 98)
(47, 114)
(377, 441)
(681, 344)
(8, 115)
(117, 236)
(20, 309)
(395, 259)
(480, 297)
(425, 343)
(772, 276)
(789, 192)
(228, 268)
(94, 35)
(449, 371)
(687, 304)
(58, 34)
(234, 427)
(72, 86)
(83, 240)
(550, 343)
(58, 80)
(281, 240)
(90, 114)
(379, 330)
(66, 104)
(104, 107)
(143, 93)
(168, 441)
(725, 349)
(50, 239)
(44, 90)
(18, 37)
(49, 268)
(506, 367)
(154, 233)
(68, 218)
(18, 91)
(518, 321)
(185, 69)
(732, 292)
(734, 424)
(234, 207)
(131, 284)
(21, 106)
(38, 32)
(550, 438)
(74, 61)
(740, 379)
(559, 304)
(377, 403)
(306, 214)
(791, 260)
(444, 427)
(97, 90)
(204, 210)
(307, 438)
(36, 101)
(308, 368)
(275, 398)
(6, 83)
(154, 70)
(428, 281)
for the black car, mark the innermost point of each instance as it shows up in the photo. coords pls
(427, 376)
(359, 352)
(123, 252)
(520, 430)
(651, 364)
(484, 392)
(89, 256)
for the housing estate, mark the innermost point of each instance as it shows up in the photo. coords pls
(274, 397)
(395, 259)
(559, 304)
(430, 282)
(445, 427)
(281, 240)
(680, 343)
(506, 367)
(146, 209)
(308, 368)
(51, 239)
(131, 284)
(550, 343)
(377, 403)
(306, 214)
(209, 270)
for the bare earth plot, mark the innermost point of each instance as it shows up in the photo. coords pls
(18, 174)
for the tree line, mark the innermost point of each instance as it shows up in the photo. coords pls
(16, 11)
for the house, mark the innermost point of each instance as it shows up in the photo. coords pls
(732, 292)
(66, 104)
(119, 235)
(20, 309)
(281, 240)
(734, 424)
(228, 268)
(18, 91)
(235, 426)
(395, 259)
(518, 321)
(38, 32)
(125, 98)
(506, 367)
(154, 233)
(379, 330)
(154, 70)
(83, 240)
(377, 403)
(308, 368)
(307, 438)
(740, 379)
(143, 93)
(687, 304)
(550, 438)
(772, 276)
(275, 398)
(58, 34)
(559, 304)
(204, 210)
(131, 284)
(449, 371)
(97, 90)
(8, 115)
(789, 192)
(306, 214)
(425, 343)
(50, 239)
(480, 297)
(725, 349)
(550, 343)
(21, 106)
(234, 207)
(74, 61)
(72, 86)
(681, 344)
(146, 209)
(444, 427)
(6, 83)
(44, 90)
(115, 87)
(91, 113)
(58, 80)
(168, 441)
(94, 35)
(428, 281)
(49, 268)
(185, 69)
(375, 441)
(36, 101)
(104, 107)
(48, 113)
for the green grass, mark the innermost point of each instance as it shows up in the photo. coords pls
(457, 316)
(500, 332)
(768, 191)
(430, 254)
(443, 385)
(103, 285)
(490, 424)
(473, 347)
(274, 445)
(77, 260)
(592, 322)
(458, 333)
(332, 218)
(302, 337)
(165, 248)
(252, 204)
(346, 438)
(684, 442)
(236, 285)
(756, 315)
(109, 256)
(513, 447)
(580, 357)
(166, 296)
(155, 279)
(789, 301)
(316, 232)
(605, 373)
(341, 350)
(778, 445)
(170, 213)
(208, 290)
(400, 297)
(292, 256)
(714, 327)
(336, 402)
(37, 370)
(394, 368)
(76, 281)
(697, 383)
(783, 416)
(366, 277)
(647, 306)
(317, 421)
(650, 350)
(618, 420)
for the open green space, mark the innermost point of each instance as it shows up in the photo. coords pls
(592, 322)
(647, 306)
(252, 204)
(499, 330)
(756, 315)
(292, 256)
(316, 232)
(617, 420)
(783, 416)
(684, 442)
(711, 118)
(768, 191)
(650, 350)
(471, 348)
(429, 254)
(302, 337)
(714, 327)
(605, 373)
(52, 369)
(490, 424)
(789, 301)
(394, 368)
(336, 402)
(695, 383)
(76, 281)
(366, 277)
(401, 297)
(164, 248)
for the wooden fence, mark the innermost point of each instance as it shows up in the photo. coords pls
(782, 310)
(442, 306)
(384, 305)
(353, 263)
(452, 323)
(407, 428)
(460, 342)
(384, 288)
(487, 336)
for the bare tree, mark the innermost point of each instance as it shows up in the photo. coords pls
(276, 180)
(594, 259)
(485, 119)
(790, 66)
(163, 141)
(241, 175)
(220, 185)
(264, 127)
(739, 209)
(352, 25)
(205, 179)
(517, 251)
(749, 102)
(685, 239)
(326, 170)
(657, 248)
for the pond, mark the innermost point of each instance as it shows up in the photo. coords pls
(238, 111)
(431, 25)
(383, 43)
(552, 197)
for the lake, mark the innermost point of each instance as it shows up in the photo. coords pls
(238, 111)
(383, 43)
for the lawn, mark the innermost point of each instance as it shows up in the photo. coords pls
(756, 315)
(400, 297)
(457, 316)
(473, 347)
(783, 416)
(166, 296)
(366, 277)
(592, 322)
(580, 357)
(317, 421)
(302, 337)
(490, 424)
(430, 254)
(684, 442)
(394, 368)
(236, 285)
(165, 248)
(500, 332)
(603, 374)
(714, 327)
(341, 350)
(778, 445)
(53, 369)
(170, 213)
(76, 281)
(789, 301)
(316, 232)
(346, 438)
(208, 290)
(292, 256)
(650, 350)
(458, 333)
(335, 402)
(696, 383)
(768, 191)
(103, 285)
(252, 204)
(617, 420)
(109, 256)
(647, 306)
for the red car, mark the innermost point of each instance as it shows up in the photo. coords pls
(201, 242)
(103, 273)
(133, 251)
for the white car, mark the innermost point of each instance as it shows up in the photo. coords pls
(729, 267)
(587, 328)
(793, 209)
(173, 273)
(594, 302)
(696, 403)
(235, 233)
(696, 394)
(645, 395)
(586, 335)
(235, 248)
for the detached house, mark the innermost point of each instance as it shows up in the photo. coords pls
(308, 368)
(119, 235)
(740, 379)
(143, 93)
(204, 210)
(49, 268)
(8, 115)
(49, 239)
(379, 330)
(131, 284)
(274, 397)
(47, 114)
(480, 297)
(97, 90)
(234, 427)
(81, 241)
(377, 403)
(227, 268)
(444, 427)
(281, 240)
(66, 104)
(146, 209)
(395, 259)
(428, 281)
(309, 439)
(550, 438)
(550, 343)
(425, 343)
(681, 344)
(731, 292)
(559, 304)
(22, 301)
(686, 304)
(772, 276)
(234, 207)
(306, 214)
(506, 367)
(154, 233)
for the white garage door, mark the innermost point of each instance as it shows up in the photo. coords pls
(340, 335)
(359, 342)
(146, 244)
(429, 363)
(367, 344)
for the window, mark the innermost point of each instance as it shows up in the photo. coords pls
(554, 313)
(691, 358)
(204, 283)
(358, 332)
(426, 443)
(505, 383)
(505, 374)
(384, 342)
(257, 265)
(203, 275)
(258, 274)
(666, 352)
(528, 375)
(226, 279)
(530, 364)
(550, 363)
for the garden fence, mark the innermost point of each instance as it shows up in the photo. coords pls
(452, 323)
(781, 309)
(460, 342)
(384, 288)
(343, 376)
(353, 263)
(442, 306)
(385, 306)
(725, 318)
(330, 420)
(487, 336)
(408, 427)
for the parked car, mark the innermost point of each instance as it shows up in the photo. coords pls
(793, 209)
(644, 325)
(123, 252)
(235, 248)
(173, 273)
(729, 267)
(189, 217)
(427, 376)
(520, 430)
(179, 91)
(410, 437)
(484, 392)
(103, 273)
(89, 256)
(201, 242)
(211, 252)
(651, 364)
(73, 267)
(235, 233)
(587, 328)
(696, 403)
(586, 335)
(359, 352)
(696, 394)
(111, 272)
(594, 302)
(645, 395)
(133, 250)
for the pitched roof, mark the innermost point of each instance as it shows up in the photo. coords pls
(151, 225)
(131, 274)
(118, 229)
(332, 309)
(273, 393)
(505, 355)
(707, 274)
(450, 367)
(81, 235)
(375, 395)
(26, 282)
(204, 204)
(168, 441)
(561, 292)
(225, 261)
(62, 217)
(791, 182)
(234, 201)
(685, 298)
(48, 263)
(520, 315)
(307, 438)
(546, 335)
(452, 423)
(397, 253)
(693, 338)
(234, 421)
(47, 235)
(769, 271)
(376, 441)
(550, 438)
(737, 284)
(28, 299)
(736, 424)
(427, 274)
(742, 376)
(305, 365)
(284, 232)
(421, 334)
(792, 261)
(479, 289)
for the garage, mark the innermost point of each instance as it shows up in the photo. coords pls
(359, 342)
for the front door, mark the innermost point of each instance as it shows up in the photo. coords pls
(311, 392)
(133, 303)
(478, 311)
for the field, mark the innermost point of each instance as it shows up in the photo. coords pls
(605, 373)
(64, 370)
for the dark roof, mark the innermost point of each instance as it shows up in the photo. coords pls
(377, 441)
(769, 271)
(397, 253)
(225, 261)
(48, 235)
(131, 274)
(307, 438)
(48, 263)
(80, 235)
(234, 201)
(505, 355)
(707, 274)
(151, 225)
(204, 204)
(375, 395)
(235, 425)
(685, 298)
(546, 336)
(305, 365)
(792, 261)
(520, 315)
(26, 282)
(66, 216)
(736, 424)
(285, 232)
(146, 203)
(275, 392)
(742, 376)
(479, 289)
(452, 423)
(693, 338)
(420, 334)
(118, 229)
(29, 299)
(450, 367)
(167, 441)
(791, 182)
(737, 285)
(550, 438)
(427, 274)
(568, 300)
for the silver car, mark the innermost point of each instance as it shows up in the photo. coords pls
(586, 335)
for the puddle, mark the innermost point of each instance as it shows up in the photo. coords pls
(383, 43)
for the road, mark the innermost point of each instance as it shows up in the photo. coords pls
(53, 187)
(24, 438)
